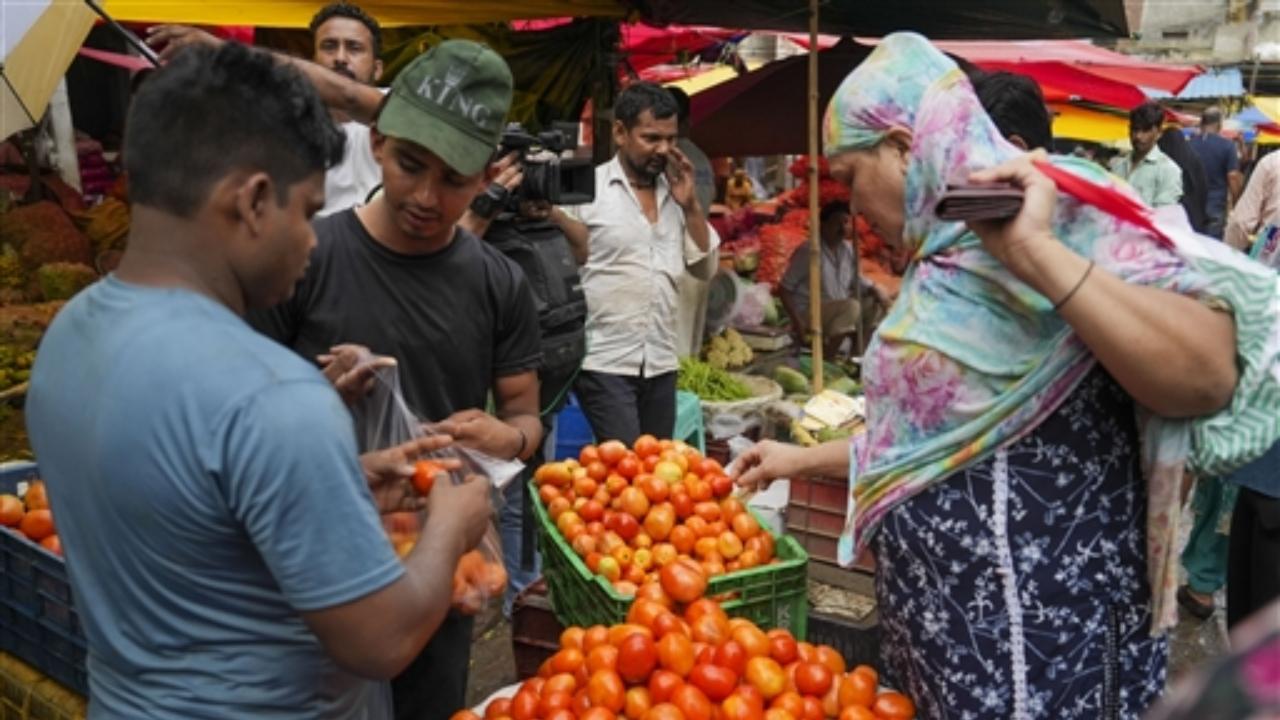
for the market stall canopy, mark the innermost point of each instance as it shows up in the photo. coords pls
(1214, 83)
(762, 112)
(1072, 122)
(956, 19)
(1079, 54)
(390, 13)
(38, 39)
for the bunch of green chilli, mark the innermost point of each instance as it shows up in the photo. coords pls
(710, 383)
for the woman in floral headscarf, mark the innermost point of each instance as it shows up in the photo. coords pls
(1029, 402)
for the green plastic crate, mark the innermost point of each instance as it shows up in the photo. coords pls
(771, 596)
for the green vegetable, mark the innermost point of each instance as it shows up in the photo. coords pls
(845, 385)
(827, 434)
(791, 381)
(709, 383)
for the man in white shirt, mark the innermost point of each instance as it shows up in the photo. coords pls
(634, 242)
(348, 41)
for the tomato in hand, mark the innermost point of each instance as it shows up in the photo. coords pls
(424, 475)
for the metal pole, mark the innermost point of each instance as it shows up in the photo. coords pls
(144, 49)
(815, 234)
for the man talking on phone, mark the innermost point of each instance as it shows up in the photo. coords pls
(634, 242)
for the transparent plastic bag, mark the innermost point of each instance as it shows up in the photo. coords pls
(383, 420)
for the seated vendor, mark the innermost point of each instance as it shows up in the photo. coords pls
(840, 307)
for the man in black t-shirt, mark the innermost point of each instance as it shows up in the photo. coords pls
(399, 277)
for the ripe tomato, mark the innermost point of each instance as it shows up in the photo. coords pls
(857, 712)
(644, 611)
(602, 657)
(37, 524)
(556, 473)
(524, 706)
(560, 714)
(708, 466)
(618, 633)
(745, 525)
(558, 507)
(807, 652)
(782, 646)
(588, 454)
(766, 675)
(499, 708)
(664, 711)
(791, 702)
(567, 660)
(615, 484)
(660, 522)
(778, 714)
(629, 467)
(656, 490)
(586, 486)
(692, 703)
(424, 475)
(831, 702)
(683, 581)
(534, 684)
(708, 628)
(683, 504)
(572, 637)
(597, 713)
(552, 701)
(721, 485)
(560, 683)
(669, 624)
(637, 703)
(832, 658)
(591, 511)
(653, 591)
(53, 544)
(894, 706)
(683, 539)
(646, 445)
(611, 452)
(634, 502)
(662, 685)
(740, 706)
(731, 655)
(581, 701)
(717, 682)
(870, 672)
(628, 525)
(468, 715)
(708, 511)
(637, 657)
(813, 679)
(606, 690)
(857, 689)
(664, 554)
(813, 709)
(675, 653)
(752, 639)
(594, 636)
(609, 568)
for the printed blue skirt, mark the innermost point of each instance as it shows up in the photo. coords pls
(1017, 588)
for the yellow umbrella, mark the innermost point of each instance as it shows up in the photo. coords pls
(1077, 123)
(390, 13)
(38, 39)
(709, 79)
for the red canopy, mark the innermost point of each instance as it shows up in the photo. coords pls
(1079, 54)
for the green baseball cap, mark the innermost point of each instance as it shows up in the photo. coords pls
(452, 100)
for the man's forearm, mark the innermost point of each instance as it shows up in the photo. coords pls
(696, 223)
(530, 429)
(338, 92)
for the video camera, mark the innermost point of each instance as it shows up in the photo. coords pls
(547, 175)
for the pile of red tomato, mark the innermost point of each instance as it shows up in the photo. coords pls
(31, 516)
(700, 665)
(657, 512)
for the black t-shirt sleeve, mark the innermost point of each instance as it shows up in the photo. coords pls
(280, 323)
(517, 338)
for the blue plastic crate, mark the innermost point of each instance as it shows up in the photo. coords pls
(572, 430)
(38, 621)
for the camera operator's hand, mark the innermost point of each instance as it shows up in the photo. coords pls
(535, 209)
(505, 176)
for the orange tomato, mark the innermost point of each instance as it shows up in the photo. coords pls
(597, 713)
(692, 703)
(524, 706)
(857, 689)
(594, 636)
(618, 633)
(499, 708)
(731, 655)
(588, 454)
(683, 539)
(782, 646)
(778, 714)
(646, 445)
(560, 683)
(894, 706)
(424, 475)
(740, 706)
(653, 591)
(813, 679)
(53, 544)
(813, 709)
(467, 715)
(11, 510)
(870, 672)
(708, 628)
(832, 658)
(602, 657)
(683, 582)
(717, 682)
(660, 522)
(791, 702)
(37, 497)
(675, 653)
(752, 639)
(636, 704)
(37, 524)
(629, 467)
(745, 525)
(664, 711)
(611, 452)
(857, 712)
(606, 690)
(669, 624)
(567, 660)
(553, 701)
(765, 674)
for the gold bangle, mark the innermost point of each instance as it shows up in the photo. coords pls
(1058, 305)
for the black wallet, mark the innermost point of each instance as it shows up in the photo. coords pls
(979, 202)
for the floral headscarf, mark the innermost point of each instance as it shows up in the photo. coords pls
(970, 359)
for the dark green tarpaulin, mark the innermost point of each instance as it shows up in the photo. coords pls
(938, 19)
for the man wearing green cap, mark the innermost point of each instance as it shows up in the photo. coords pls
(399, 277)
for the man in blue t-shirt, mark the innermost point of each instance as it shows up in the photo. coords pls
(1221, 168)
(224, 548)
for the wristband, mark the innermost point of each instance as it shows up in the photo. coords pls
(1058, 305)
